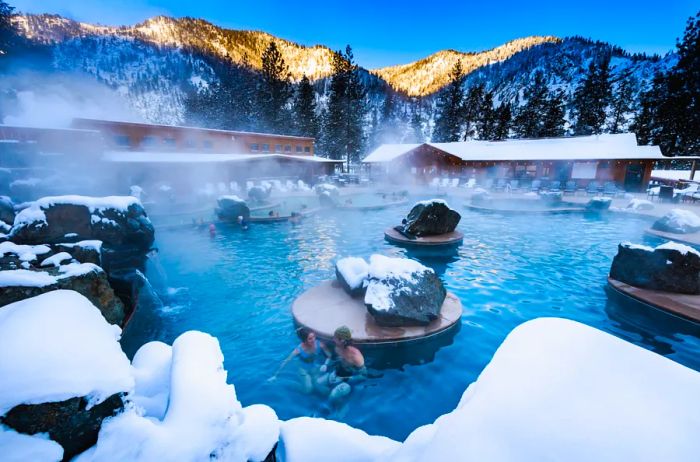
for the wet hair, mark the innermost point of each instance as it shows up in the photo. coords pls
(344, 334)
(303, 333)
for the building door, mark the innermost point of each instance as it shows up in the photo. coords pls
(633, 177)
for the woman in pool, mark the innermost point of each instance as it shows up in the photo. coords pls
(311, 352)
(349, 366)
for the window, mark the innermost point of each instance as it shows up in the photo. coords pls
(278, 148)
(307, 149)
(148, 141)
(190, 144)
(122, 140)
(169, 142)
(266, 148)
(287, 148)
(299, 148)
(207, 144)
(254, 147)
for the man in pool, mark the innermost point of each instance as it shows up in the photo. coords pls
(311, 352)
(349, 366)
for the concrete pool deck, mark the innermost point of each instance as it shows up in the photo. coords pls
(327, 306)
(683, 305)
(447, 239)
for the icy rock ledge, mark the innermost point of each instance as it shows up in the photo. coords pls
(555, 390)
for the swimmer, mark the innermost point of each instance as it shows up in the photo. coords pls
(311, 352)
(349, 366)
(295, 218)
(212, 230)
(241, 221)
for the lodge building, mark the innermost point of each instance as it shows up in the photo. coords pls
(603, 158)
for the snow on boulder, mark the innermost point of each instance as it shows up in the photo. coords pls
(678, 221)
(639, 205)
(62, 368)
(598, 204)
(18, 447)
(115, 220)
(259, 193)
(203, 419)
(402, 292)
(559, 390)
(352, 273)
(430, 218)
(307, 439)
(670, 267)
(332, 190)
(231, 207)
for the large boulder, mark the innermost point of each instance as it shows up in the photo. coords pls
(117, 221)
(670, 267)
(7, 210)
(402, 292)
(678, 221)
(598, 204)
(431, 218)
(352, 273)
(259, 194)
(232, 207)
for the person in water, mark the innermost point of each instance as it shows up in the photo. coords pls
(312, 353)
(241, 221)
(348, 366)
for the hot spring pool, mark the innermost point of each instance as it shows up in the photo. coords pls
(239, 287)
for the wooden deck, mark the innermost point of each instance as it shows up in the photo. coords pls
(447, 239)
(327, 306)
(683, 305)
(689, 239)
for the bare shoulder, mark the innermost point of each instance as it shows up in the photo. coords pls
(357, 356)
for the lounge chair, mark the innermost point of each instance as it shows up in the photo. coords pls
(514, 185)
(500, 184)
(570, 187)
(488, 183)
(471, 183)
(610, 189)
(445, 182)
(592, 188)
(555, 186)
(536, 185)
(454, 183)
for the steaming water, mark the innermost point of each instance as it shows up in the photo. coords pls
(240, 287)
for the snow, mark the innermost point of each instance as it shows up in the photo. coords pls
(630, 245)
(203, 419)
(682, 218)
(326, 188)
(57, 259)
(381, 268)
(601, 199)
(57, 346)
(307, 439)
(25, 278)
(595, 147)
(640, 205)
(682, 248)
(671, 174)
(18, 447)
(354, 270)
(433, 201)
(92, 244)
(201, 157)
(77, 269)
(35, 211)
(23, 252)
(232, 198)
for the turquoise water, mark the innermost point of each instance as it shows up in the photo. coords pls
(239, 287)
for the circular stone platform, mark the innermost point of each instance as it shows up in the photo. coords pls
(447, 239)
(327, 306)
(683, 305)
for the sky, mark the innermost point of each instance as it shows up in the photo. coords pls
(384, 33)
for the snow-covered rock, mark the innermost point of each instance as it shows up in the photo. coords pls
(62, 366)
(259, 194)
(670, 267)
(402, 292)
(352, 273)
(639, 205)
(431, 218)
(678, 221)
(203, 420)
(598, 204)
(231, 207)
(327, 188)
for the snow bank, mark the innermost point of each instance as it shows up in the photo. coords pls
(560, 390)
(203, 420)
(307, 439)
(57, 346)
(23, 252)
(354, 270)
(18, 447)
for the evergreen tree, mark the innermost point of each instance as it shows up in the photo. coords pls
(503, 115)
(8, 34)
(450, 108)
(646, 124)
(592, 98)
(417, 135)
(273, 92)
(472, 110)
(305, 118)
(621, 104)
(487, 122)
(343, 135)
(529, 119)
(553, 121)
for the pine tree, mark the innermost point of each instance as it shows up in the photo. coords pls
(305, 117)
(529, 119)
(504, 117)
(472, 110)
(553, 121)
(621, 105)
(8, 34)
(417, 134)
(646, 124)
(487, 122)
(273, 91)
(592, 98)
(450, 108)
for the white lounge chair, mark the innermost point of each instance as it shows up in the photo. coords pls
(454, 183)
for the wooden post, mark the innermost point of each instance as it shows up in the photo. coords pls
(692, 171)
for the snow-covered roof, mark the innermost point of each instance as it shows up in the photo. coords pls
(596, 147)
(672, 174)
(199, 157)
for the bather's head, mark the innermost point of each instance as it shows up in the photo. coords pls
(342, 336)
(306, 335)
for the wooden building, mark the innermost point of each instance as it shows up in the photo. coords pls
(602, 158)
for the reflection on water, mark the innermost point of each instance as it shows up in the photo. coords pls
(241, 284)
